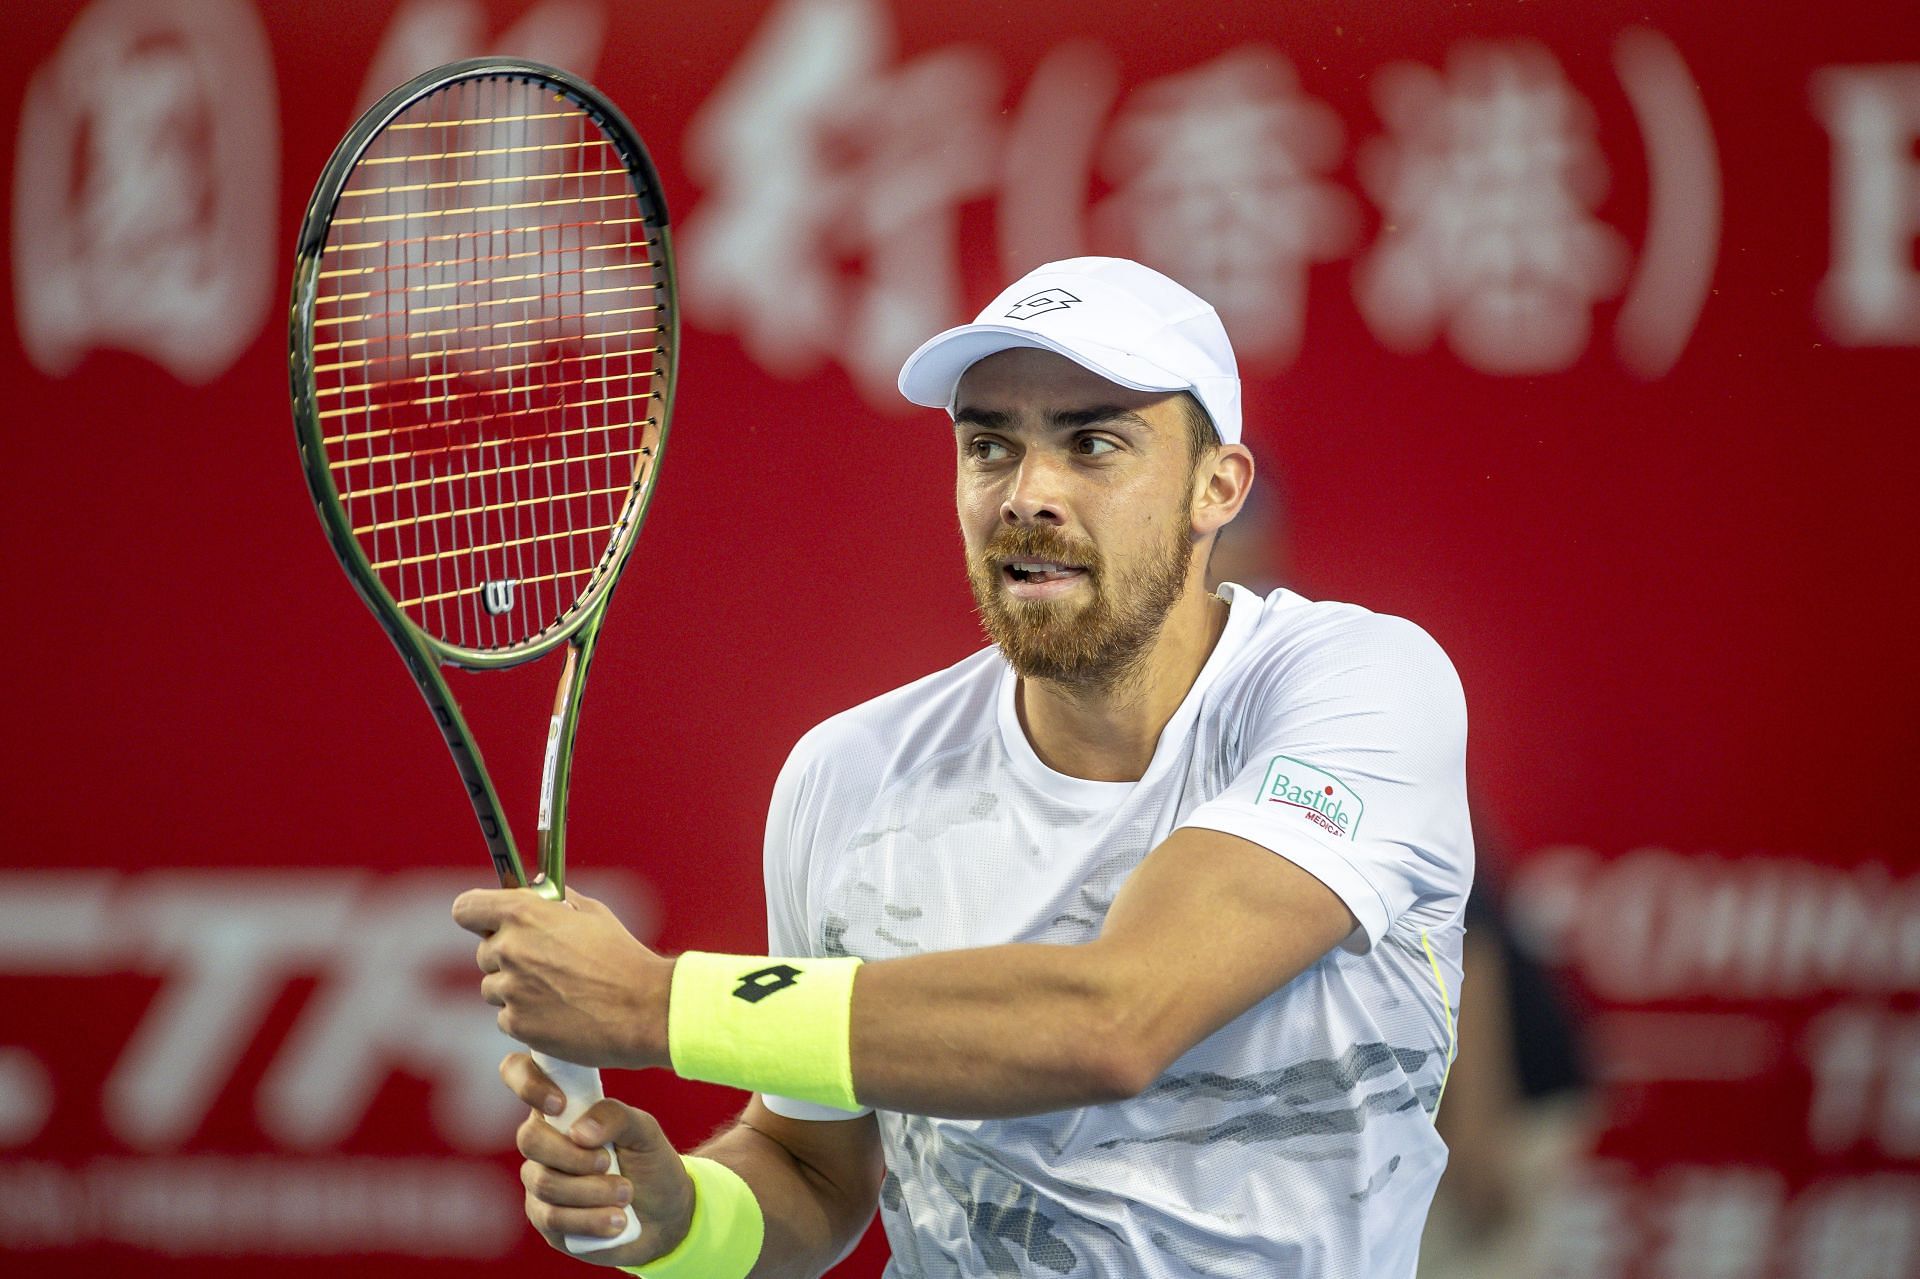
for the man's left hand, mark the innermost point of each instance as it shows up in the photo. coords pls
(568, 978)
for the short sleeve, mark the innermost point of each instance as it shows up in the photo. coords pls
(784, 862)
(1355, 770)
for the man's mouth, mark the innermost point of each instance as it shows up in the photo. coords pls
(1041, 570)
(1030, 579)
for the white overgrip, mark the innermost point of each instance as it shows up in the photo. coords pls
(581, 1084)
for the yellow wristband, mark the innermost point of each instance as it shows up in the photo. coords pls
(780, 1026)
(726, 1231)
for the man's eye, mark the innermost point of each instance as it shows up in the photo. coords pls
(1094, 445)
(985, 450)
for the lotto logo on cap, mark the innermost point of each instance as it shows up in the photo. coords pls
(1038, 303)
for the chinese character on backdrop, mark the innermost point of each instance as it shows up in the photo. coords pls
(1718, 1223)
(145, 186)
(1858, 1228)
(833, 181)
(423, 34)
(1216, 176)
(1486, 186)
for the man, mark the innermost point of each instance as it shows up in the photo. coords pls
(1159, 897)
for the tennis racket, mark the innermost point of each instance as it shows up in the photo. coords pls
(483, 345)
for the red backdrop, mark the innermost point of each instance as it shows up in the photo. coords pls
(1586, 336)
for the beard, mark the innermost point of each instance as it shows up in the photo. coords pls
(1093, 644)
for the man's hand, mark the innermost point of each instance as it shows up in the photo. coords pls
(568, 978)
(570, 1189)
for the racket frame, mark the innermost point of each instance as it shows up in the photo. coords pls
(578, 628)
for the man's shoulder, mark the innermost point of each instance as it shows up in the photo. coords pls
(1309, 636)
(889, 734)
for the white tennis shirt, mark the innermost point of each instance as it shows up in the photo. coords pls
(1296, 1142)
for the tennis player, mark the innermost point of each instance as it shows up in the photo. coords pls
(1128, 946)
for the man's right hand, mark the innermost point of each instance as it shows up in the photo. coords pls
(571, 1191)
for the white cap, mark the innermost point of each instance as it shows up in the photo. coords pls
(1126, 322)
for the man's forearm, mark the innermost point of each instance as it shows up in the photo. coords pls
(1001, 1031)
(1205, 928)
(811, 1222)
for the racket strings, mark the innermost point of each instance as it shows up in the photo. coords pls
(523, 255)
(532, 278)
(453, 184)
(527, 468)
(424, 240)
(486, 414)
(408, 311)
(492, 346)
(421, 379)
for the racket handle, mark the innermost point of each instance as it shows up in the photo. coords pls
(581, 1084)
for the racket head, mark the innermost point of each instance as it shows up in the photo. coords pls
(483, 340)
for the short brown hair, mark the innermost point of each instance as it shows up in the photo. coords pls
(1202, 437)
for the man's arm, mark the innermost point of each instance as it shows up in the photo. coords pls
(1206, 927)
(817, 1183)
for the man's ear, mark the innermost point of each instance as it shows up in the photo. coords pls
(1220, 486)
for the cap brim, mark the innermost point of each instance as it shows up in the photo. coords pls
(932, 374)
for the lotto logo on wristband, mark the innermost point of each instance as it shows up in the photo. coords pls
(756, 986)
(1319, 797)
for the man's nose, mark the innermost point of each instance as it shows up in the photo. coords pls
(1037, 496)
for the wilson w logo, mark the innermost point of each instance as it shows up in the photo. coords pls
(497, 597)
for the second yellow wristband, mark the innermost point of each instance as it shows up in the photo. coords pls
(725, 1235)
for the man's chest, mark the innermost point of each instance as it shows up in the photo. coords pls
(954, 861)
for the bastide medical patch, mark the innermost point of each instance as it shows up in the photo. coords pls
(1313, 795)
